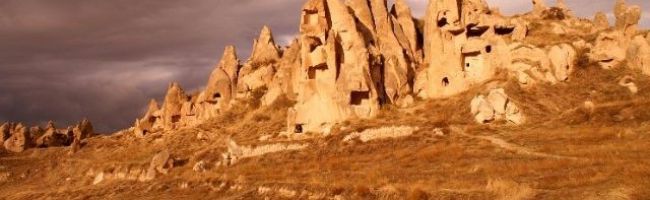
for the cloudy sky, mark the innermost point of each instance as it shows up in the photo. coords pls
(69, 59)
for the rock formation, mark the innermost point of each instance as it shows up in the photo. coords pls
(19, 140)
(353, 56)
(600, 21)
(496, 106)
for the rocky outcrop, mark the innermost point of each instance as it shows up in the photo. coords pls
(258, 72)
(19, 140)
(627, 18)
(610, 49)
(496, 106)
(600, 21)
(264, 48)
(353, 56)
(18, 137)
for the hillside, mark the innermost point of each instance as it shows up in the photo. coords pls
(370, 103)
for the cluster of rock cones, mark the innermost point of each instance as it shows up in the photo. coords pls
(18, 137)
(352, 57)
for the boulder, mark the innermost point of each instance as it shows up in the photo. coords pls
(628, 82)
(496, 107)
(160, 163)
(286, 79)
(562, 58)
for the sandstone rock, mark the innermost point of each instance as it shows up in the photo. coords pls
(600, 21)
(362, 12)
(75, 146)
(482, 110)
(609, 49)
(199, 166)
(229, 63)
(52, 138)
(286, 80)
(443, 76)
(338, 82)
(171, 109)
(563, 58)
(520, 31)
(627, 18)
(496, 107)
(19, 140)
(539, 6)
(381, 133)
(5, 132)
(150, 120)
(628, 82)
(264, 48)
(84, 130)
(99, 178)
(396, 67)
(405, 19)
(638, 54)
(160, 163)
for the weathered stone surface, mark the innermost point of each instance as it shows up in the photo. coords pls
(628, 82)
(264, 48)
(638, 54)
(287, 79)
(627, 18)
(150, 122)
(482, 110)
(600, 21)
(52, 137)
(496, 107)
(229, 63)
(19, 140)
(610, 49)
(539, 6)
(405, 19)
(362, 12)
(443, 75)
(171, 108)
(563, 58)
(5, 132)
(396, 67)
(160, 163)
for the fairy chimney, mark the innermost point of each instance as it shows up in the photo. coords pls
(171, 108)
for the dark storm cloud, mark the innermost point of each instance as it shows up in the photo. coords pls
(66, 60)
(69, 59)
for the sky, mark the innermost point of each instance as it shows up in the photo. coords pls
(103, 60)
